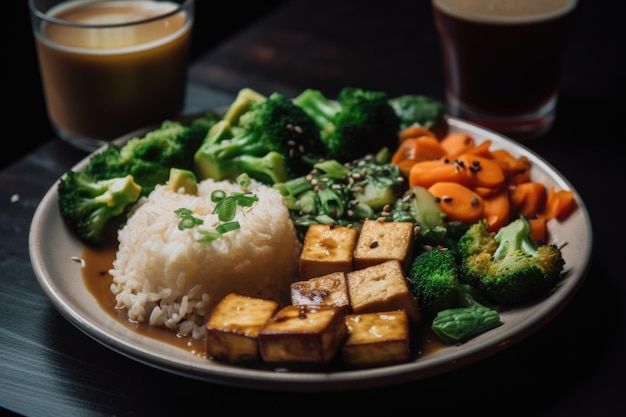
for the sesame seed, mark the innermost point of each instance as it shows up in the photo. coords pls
(79, 260)
(374, 244)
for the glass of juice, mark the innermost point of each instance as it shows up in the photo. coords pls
(502, 61)
(109, 67)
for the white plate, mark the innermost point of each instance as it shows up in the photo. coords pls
(52, 248)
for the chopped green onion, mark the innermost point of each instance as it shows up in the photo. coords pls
(243, 180)
(226, 207)
(228, 227)
(208, 236)
(187, 221)
(218, 195)
(333, 169)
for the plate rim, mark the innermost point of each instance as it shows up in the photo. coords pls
(455, 357)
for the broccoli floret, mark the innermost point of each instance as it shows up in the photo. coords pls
(149, 158)
(509, 267)
(271, 140)
(357, 123)
(88, 206)
(183, 180)
(241, 104)
(413, 109)
(434, 280)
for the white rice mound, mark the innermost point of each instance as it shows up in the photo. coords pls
(163, 276)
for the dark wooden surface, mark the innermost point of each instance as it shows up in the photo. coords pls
(574, 366)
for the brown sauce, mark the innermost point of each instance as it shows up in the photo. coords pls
(96, 264)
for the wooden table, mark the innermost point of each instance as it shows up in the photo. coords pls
(573, 366)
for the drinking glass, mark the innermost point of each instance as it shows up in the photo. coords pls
(109, 67)
(502, 61)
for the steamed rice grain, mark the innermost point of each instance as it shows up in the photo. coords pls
(162, 275)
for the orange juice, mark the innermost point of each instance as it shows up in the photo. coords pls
(102, 82)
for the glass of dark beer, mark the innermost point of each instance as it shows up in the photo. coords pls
(503, 60)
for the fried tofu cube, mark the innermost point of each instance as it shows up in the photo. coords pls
(311, 334)
(380, 241)
(327, 248)
(232, 329)
(381, 287)
(330, 289)
(377, 339)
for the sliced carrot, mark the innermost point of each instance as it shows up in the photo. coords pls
(527, 199)
(485, 191)
(458, 202)
(497, 210)
(457, 143)
(469, 170)
(422, 148)
(516, 169)
(482, 172)
(482, 149)
(415, 131)
(519, 178)
(538, 229)
(472, 178)
(427, 173)
(559, 203)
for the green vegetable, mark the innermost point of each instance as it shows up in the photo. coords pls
(149, 158)
(344, 194)
(183, 179)
(226, 206)
(419, 206)
(413, 109)
(270, 140)
(87, 205)
(434, 280)
(187, 220)
(359, 122)
(459, 324)
(137, 166)
(509, 268)
(226, 209)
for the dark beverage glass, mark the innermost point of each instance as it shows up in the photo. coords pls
(503, 60)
